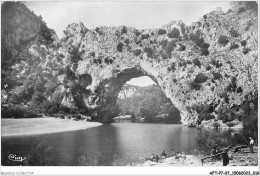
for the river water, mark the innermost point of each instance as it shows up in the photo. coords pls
(107, 145)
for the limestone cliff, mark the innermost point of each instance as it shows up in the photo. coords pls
(206, 69)
(128, 91)
(21, 32)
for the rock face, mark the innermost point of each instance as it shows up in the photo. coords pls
(210, 66)
(20, 27)
(128, 91)
(21, 31)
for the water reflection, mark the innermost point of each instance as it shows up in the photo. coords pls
(97, 144)
(107, 145)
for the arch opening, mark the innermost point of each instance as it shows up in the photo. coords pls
(156, 107)
(140, 99)
(99, 100)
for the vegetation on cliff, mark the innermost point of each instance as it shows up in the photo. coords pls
(151, 102)
(208, 69)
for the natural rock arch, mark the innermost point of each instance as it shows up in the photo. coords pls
(101, 102)
(205, 68)
(109, 90)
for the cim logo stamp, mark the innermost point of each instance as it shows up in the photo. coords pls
(13, 157)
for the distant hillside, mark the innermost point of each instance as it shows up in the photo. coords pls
(208, 69)
(129, 91)
(148, 103)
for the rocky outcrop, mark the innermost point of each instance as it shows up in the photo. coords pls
(128, 91)
(210, 66)
(235, 124)
(20, 27)
(21, 31)
(238, 159)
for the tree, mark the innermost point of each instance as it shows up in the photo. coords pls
(150, 103)
(133, 118)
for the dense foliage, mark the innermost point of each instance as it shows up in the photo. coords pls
(41, 71)
(161, 31)
(223, 40)
(148, 105)
(174, 33)
(207, 139)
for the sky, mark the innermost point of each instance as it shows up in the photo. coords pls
(141, 81)
(139, 14)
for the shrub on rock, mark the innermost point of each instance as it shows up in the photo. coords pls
(208, 68)
(161, 31)
(173, 67)
(196, 61)
(248, 25)
(243, 43)
(183, 63)
(229, 11)
(127, 41)
(137, 32)
(182, 48)
(119, 47)
(92, 54)
(98, 30)
(233, 85)
(163, 43)
(189, 62)
(204, 52)
(174, 33)
(152, 41)
(163, 54)
(123, 30)
(207, 24)
(149, 51)
(216, 63)
(196, 38)
(195, 86)
(170, 47)
(117, 33)
(246, 50)
(233, 46)
(223, 40)
(137, 52)
(108, 61)
(200, 78)
(204, 45)
(233, 33)
(242, 9)
(145, 36)
(216, 75)
(137, 41)
(74, 54)
(239, 90)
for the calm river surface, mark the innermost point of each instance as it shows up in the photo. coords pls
(107, 145)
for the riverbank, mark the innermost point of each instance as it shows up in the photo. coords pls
(239, 159)
(235, 124)
(36, 126)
